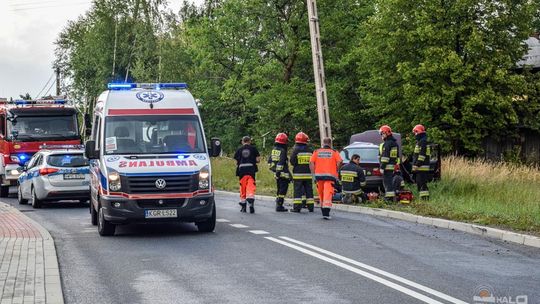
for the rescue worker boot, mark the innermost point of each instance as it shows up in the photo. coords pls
(279, 205)
(251, 203)
(297, 208)
(311, 207)
(242, 206)
(326, 213)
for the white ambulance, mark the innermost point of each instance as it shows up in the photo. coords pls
(149, 160)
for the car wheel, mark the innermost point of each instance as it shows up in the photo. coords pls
(20, 198)
(36, 203)
(210, 224)
(105, 228)
(93, 215)
(4, 191)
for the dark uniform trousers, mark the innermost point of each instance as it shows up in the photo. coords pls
(303, 193)
(282, 186)
(388, 183)
(422, 179)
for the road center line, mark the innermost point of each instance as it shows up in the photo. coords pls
(259, 232)
(368, 275)
(239, 226)
(378, 271)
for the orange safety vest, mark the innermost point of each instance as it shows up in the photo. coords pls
(326, 161)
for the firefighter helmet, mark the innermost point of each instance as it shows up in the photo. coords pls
(301, 138)
(385, 130)
(419, 129)
(282, 138)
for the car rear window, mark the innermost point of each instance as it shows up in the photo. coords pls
(369, 155)
(67, 160)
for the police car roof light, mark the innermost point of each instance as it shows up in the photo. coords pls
(21, 102)
(121, 86)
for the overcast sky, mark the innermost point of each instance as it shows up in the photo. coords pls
(28, 29)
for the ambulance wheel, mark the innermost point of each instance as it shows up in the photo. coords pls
(36, 203)
(93, 215)
(4, 191)
(105, 228)
(210, 224)
(20, 198)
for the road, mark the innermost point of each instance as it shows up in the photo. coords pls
(274, 257)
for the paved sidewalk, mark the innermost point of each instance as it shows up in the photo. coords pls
(28, 264)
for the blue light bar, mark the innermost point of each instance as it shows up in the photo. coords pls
(179, 85)
(20, 102)
(121, 86)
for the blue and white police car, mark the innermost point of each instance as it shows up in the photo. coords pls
(55, 173)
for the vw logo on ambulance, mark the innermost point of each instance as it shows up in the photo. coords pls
(150, 96)
(161, 184)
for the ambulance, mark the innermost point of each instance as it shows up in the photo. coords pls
(149, 159)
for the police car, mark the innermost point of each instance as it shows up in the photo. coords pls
(55, 173)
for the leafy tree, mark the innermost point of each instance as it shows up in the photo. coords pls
(445, 64)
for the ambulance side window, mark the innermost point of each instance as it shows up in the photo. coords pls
(96, 132)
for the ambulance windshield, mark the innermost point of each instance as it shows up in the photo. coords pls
(153, 134)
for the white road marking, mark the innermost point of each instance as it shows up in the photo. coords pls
(222, 221)
(379, 271)
(368, 275)
(259, 232)
(239, 226)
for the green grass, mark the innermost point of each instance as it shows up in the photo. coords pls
(493, 194)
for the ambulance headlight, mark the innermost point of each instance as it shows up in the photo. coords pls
(114, 181)
(204, 177)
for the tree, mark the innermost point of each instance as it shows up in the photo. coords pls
(446, 64)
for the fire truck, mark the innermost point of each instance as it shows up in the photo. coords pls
(25, 125)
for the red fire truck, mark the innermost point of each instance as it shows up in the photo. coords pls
(25, 125)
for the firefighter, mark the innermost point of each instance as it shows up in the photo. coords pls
(352, 180)
(421, 161)
(279, 165)
(324, 164)
(302, 180)
(247, 157)
(389, 157)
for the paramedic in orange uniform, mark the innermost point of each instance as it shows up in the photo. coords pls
(324, 164)
(247, 157)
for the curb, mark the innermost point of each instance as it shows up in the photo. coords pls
(53, 284)
(499, 234)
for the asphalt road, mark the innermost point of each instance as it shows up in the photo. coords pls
(274, 257)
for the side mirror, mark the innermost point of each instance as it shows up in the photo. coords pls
(90, 150)
(215, 147)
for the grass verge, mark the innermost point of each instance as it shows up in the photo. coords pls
(493, 194)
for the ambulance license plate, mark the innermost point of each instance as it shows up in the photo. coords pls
(167, 213)
(73, 176)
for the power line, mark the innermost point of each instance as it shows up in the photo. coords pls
(39, 2)
(38, 94)
(50, 6)
(50, 87)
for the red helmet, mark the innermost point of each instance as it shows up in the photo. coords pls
(386, 130)
(301, 138)
(396, 168)
(282, 138)
(419, 129)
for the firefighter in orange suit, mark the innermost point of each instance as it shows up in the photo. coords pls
(324, 164)
(247, 157)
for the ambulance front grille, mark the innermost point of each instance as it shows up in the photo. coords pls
(174, 184)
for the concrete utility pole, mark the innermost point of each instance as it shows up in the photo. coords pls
(318, 70)
(58, 82)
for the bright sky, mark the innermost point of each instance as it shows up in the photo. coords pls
(28, 29)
